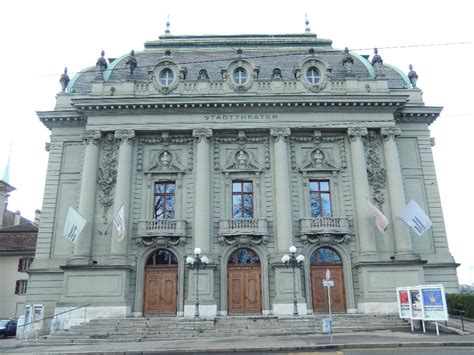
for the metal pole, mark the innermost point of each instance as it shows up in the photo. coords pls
(196, 310)
(295, 302)
(330, 312)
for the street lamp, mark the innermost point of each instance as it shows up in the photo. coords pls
(294, 262)
(199, 263)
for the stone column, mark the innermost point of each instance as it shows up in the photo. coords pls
(365, 222)
(403, 244)
(87, 198)
(202, 207)
(284, 230)
(118, 248)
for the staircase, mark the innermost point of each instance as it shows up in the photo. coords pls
(157, 328)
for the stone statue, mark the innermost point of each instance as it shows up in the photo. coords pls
(377, 62)
(347, 61)
(101, 63)
(413, 76)
(131, 62)
(64, 80)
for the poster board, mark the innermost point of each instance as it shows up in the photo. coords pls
(423, 302)
(434, 302)
(403, 302)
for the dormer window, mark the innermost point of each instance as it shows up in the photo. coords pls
(166, 77)
(312, 75)
(240, 76)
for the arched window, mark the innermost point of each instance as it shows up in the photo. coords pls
(244, 256)
(325, 256)
(162, 257)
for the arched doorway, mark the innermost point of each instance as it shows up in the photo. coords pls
(161, 284)
(321, 260)
(244, 283)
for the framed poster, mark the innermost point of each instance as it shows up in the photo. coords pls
(434, 302)
(403, 302)
(416, 305)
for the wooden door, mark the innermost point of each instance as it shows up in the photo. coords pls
(320, 293)
(244, 290)
(160, 294)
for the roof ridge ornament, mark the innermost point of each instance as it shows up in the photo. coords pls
(167, 31)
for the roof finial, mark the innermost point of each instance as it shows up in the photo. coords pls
(6, 172)
(167, 32)
(307, 29)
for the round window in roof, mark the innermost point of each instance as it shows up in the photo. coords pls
(313, 76)
(240, 76)
(166, 77)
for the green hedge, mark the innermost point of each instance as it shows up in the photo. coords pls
(462, 302)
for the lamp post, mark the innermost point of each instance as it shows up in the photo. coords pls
(199, 263)
(294, 262)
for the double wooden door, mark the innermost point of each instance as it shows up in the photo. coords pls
(244, 289)
(320, 292)
(160, 296)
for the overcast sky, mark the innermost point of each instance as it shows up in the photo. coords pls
(40, 38)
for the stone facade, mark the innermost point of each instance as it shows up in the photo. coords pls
(281, 114)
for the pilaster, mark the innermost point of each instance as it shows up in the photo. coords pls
(403, 244)
(365, 223)
(118, 248)
(87, 198)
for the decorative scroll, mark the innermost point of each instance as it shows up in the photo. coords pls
(107, 174)
(375, 171)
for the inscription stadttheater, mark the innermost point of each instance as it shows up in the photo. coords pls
(238, 117)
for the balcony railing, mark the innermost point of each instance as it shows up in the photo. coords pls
(247, 226)
(161, 227)
(324, 225)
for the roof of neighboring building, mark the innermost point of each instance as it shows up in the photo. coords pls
(9, 219)
(17, 237)
(285, 52)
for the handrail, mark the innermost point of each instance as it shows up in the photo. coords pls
(54, 315)
(461, 313)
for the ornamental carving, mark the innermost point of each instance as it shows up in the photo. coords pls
(202, 133)
(318, 160)
(243, 240)
(390, 132)
(280, 133)
(356, 133)
(91, 137)
(125, 135)
(375, 171)
(107, 174)
(241, 160)
(165, 161)
(160, 241)
(326, 239)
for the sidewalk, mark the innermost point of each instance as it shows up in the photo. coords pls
(289, 343)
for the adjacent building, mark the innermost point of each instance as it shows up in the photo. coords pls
(17, 249)
(241, 146)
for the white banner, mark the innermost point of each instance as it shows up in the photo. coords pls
(380, 220)
(415, 217)
(119, 222)
(74, 224)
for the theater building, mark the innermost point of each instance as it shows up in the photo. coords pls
(241, 146)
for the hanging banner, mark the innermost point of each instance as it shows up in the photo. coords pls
(434, 302)
(403, 302)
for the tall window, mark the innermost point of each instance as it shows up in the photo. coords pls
(320, 198)
(242, 199)
(164, 200)
(20, 287)
(24, 264)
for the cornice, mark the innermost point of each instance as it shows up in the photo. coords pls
(124, 105)
(418, 114)
(62, 118)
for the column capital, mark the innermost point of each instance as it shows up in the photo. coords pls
(125, 135)
(202, 133)
(390, 132)
(278, 133)
(91, 136)
(356, 133)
